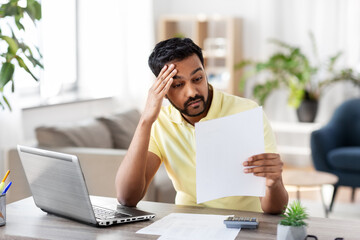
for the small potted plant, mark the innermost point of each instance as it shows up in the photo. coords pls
(293, 226)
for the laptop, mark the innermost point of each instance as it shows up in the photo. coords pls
(58, 187)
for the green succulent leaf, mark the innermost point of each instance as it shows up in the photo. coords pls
(294, 215)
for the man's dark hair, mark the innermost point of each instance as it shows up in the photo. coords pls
(170, 50)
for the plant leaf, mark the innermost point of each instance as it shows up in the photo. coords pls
(34, 61)
(10, 9)
(6, 73)
(333, 61)
(18, 17)
(2, 106)
(33, 9)
(295, 215)
(23, 65)
(12, 85)
(262, 91)
(242, 64)
(13, 47)
(7, 102)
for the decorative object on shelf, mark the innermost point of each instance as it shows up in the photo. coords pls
(293, 226)
(215, 47)
(17, 50)
(292, 69)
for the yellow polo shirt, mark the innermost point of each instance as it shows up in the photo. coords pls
(173, 141)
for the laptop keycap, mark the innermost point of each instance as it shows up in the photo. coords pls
(104, 213)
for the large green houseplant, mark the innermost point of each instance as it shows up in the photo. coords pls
(292, 69)
(14, 52)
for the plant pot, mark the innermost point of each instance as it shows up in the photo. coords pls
(290, 232)
(307, 110)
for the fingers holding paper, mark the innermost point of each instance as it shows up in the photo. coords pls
(268, 165)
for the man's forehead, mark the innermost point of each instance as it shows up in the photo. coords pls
(194, 71)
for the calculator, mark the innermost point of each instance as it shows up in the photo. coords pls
(241, 222)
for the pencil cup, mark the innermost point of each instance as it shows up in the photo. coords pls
(2, 209)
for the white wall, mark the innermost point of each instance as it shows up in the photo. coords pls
(115, 40)
(335, 24)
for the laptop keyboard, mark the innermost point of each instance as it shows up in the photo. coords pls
(104, 213)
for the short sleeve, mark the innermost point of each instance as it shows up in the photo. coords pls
(269, 137)
(153, 146)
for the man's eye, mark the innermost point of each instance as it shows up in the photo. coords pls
(197, 79)
(177, 85)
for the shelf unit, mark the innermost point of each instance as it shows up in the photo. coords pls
(221, 41)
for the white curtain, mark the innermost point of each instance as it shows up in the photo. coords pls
(140, 40)
(115, 40)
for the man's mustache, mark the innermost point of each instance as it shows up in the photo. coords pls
(192, 99)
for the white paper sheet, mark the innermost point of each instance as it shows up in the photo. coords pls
(176, 226)
(222, 145)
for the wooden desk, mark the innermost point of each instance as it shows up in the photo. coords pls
(26, 221)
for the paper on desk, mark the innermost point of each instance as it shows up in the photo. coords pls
(191, 226)
(222, 145)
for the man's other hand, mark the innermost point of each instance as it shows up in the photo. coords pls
(268, 165)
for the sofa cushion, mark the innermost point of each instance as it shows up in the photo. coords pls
(346, 158)
(87, 133)
(122, 127)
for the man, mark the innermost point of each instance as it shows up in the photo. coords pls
(167, 134)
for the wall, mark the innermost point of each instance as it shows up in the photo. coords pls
(115, 39)
(337, 28)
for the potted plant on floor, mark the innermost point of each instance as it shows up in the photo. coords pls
(293, 226)
(291, 68)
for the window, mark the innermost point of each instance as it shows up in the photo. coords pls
(56, 35)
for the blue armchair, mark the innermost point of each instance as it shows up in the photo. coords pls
(335, 148)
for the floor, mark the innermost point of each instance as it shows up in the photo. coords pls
(343, 207)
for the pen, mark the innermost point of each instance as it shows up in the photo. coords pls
(2, 184)
(7, 188)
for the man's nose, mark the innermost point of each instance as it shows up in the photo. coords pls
(191, 91)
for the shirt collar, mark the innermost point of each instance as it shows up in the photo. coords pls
(176, 117)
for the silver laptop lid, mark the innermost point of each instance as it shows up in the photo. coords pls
(57, 183)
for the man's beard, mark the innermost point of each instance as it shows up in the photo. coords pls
(185, 110)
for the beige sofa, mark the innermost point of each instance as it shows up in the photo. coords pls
(99, 164)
